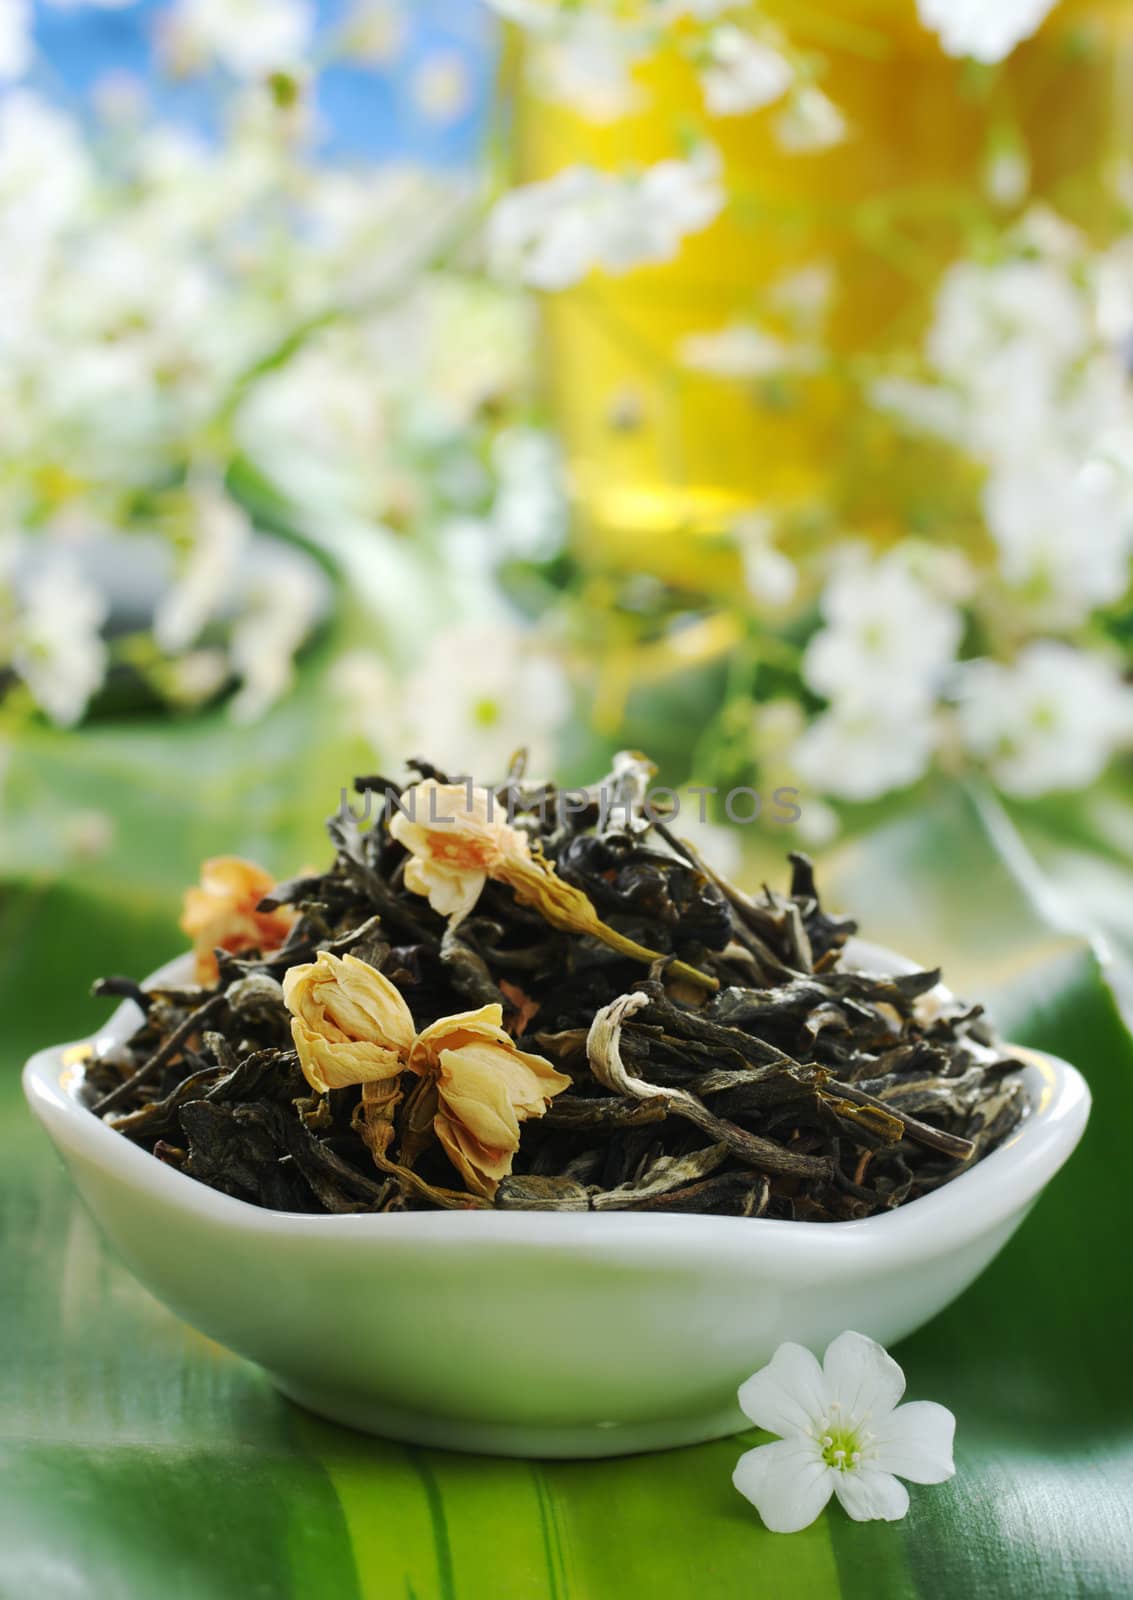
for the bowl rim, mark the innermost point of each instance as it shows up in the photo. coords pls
(999, 1186)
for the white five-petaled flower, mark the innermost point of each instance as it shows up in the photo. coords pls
(842, 1433)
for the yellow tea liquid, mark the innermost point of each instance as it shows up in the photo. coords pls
(660, 453)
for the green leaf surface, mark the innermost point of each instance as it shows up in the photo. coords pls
(138, 1459)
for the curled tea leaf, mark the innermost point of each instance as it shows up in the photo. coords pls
(604, 1054)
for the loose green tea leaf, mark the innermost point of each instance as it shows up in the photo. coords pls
(779, 1082)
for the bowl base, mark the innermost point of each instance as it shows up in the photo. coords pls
(534, 1440)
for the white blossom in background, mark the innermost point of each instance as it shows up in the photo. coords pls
(370, 701)
(482, 691)
(218, 532)
(987, 30)
(274, 621)
(88, 834)
(842, 1432)
(1007, 341)
(776, 728)
(700, 10)
(819, 824)
(373, 232)
(1050, 720)
(472, 346)
(120, 100)
(320, 428)
(544, 15)
(328, 426)
(742, 73)
(941, 569)
(587, 64)
(247, 37)
(860, 750)
(742, 350)
(1029, 354)
(441, 87)
(197, 675)
(1064, 535)
(376, 31)
(553, 233)
(531, 13)
(881, 659)
(15, 39)
(478, 692)
(712, 841)
(56, 645)
(45, 174)
(934, 409)
(770, 577)
(983, 310)
(809, 122)
(804, 296)
(885, 636)
(1007, 174)
(1111, 280)
(530, 515)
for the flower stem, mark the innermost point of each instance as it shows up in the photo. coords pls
(630, 947)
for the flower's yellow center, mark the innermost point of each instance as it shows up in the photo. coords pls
(841, 1448)
(843, 1443)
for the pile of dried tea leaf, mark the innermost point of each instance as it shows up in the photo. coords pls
(494, 999)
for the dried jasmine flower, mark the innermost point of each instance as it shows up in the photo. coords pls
(222, 913)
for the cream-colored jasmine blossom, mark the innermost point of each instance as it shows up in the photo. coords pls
(842, 1432)
(458, 837)
(351, 1025)
(486, 1086)
(349, 1022)
(222, 913)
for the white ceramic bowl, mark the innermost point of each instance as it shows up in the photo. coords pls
(537, 1334)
